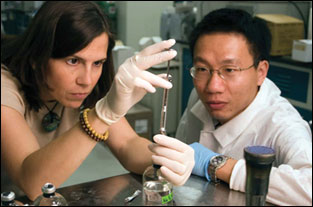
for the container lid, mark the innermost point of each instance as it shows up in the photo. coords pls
(48, 188)
(259, 154)
(7, 196)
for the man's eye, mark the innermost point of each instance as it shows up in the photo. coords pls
(229, 70)
(72, 61)
(201, 70)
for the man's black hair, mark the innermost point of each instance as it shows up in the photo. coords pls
(238, 21)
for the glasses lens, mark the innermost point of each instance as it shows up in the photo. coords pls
(229, 72)
(199, 73)
(192, 72)
(226, 72)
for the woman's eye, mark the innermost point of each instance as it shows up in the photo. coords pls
(72, 61)
(99, 63)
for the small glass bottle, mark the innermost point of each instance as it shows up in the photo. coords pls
(7, 199)
(49, 197)
(157, 191)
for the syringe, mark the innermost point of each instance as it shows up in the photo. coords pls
(163, 113)
(164, 102)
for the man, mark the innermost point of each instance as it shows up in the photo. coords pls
(234, 105)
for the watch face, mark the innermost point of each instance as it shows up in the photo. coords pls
(218, 160)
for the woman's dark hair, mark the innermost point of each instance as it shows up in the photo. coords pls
(227, 20)
(58, 30)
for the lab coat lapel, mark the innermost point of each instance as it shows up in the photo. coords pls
(206, 135)
(201, 113)
(208, 140)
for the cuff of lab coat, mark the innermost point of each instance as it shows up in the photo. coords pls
(238, 176)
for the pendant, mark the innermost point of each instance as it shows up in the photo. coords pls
(50, 121)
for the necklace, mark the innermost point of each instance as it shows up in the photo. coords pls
(51, 120)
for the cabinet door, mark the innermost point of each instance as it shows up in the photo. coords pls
(292, 83)
(295, 83)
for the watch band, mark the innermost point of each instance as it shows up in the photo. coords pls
(216, 162)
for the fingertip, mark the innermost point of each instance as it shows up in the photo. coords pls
(170, 85)
(171, 41)
(155, 138)
(173, 52)
(167, 85)
(152, 90)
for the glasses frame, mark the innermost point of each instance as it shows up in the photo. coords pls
(211, 71)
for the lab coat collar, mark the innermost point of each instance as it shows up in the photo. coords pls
(229, 131)
(203, 115)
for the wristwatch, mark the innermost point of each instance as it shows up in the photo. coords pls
(216, 162)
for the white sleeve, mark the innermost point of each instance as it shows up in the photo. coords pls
(287, 186)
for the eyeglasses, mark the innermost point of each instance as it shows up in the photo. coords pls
(226, 72)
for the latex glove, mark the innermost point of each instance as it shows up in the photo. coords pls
(202, 160)
(132, 81)
(175, 157)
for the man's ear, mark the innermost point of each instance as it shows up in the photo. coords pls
(262, 71)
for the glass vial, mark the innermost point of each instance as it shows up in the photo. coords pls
(157, 191)
(7, 199)
(49, 197)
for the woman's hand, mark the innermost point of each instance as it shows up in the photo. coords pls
(132, 81)
(175, 157)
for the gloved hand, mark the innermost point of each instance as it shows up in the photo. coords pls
(202, 160)
(132, 81)
(175, 157)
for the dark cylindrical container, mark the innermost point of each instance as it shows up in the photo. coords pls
(259, 161)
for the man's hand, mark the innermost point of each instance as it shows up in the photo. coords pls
(202, 160)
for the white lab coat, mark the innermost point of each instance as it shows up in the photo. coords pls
(270, 120)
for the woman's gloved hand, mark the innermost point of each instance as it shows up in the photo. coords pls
(202, 160)
(175, 157)
(132, 81)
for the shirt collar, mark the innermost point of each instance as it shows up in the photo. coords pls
(228, 132)
(203, 115)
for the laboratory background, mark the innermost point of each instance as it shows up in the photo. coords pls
(138, 24)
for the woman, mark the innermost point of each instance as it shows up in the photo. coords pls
(63, 64)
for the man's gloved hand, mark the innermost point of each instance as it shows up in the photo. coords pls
(202, 160)
(132, 81)
(175, 157)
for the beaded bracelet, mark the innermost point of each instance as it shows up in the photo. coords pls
(89, 130)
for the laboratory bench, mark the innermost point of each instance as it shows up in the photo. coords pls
(113, 190)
